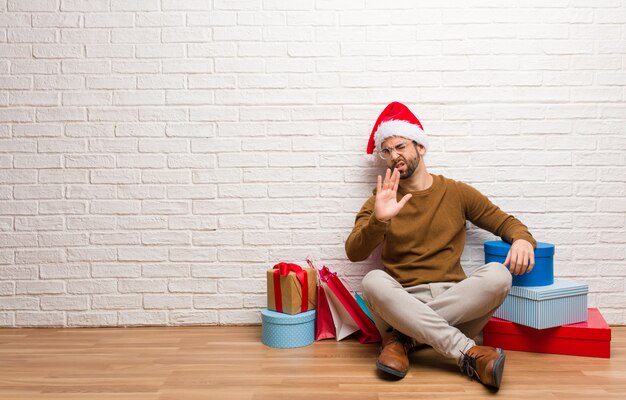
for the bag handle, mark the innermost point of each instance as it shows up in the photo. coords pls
(326, 274)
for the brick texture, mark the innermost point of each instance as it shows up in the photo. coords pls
(157, 156)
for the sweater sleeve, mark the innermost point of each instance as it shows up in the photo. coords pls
(367, 234)
(480, 211)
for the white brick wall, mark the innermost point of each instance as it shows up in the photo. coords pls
(157, 156)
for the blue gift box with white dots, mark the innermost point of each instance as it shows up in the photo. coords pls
(286, 331)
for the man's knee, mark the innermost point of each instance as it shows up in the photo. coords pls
(500, 278)
(372, 280)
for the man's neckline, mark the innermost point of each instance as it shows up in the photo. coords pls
(421, 192)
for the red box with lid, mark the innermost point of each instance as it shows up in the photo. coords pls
(591, 338)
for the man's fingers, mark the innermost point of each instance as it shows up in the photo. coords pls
(531, 260)
(406, 198)
(379, 185)
(395, 178)
(514, 264)
(386, 181)
(520, 259)
(518, 263)
(525, 264)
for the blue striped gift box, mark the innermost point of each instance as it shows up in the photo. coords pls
(562, 303)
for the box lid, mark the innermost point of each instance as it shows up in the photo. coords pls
(560, 288)
(595, 328)
(500, 248)
(279, 318)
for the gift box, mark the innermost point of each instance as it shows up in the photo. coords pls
(591, 338)
(291, 289)
(562, 303)
(543, 271)
(282, 330)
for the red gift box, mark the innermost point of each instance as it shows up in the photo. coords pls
(591, 338)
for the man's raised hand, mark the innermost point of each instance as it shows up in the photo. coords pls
(387, 206)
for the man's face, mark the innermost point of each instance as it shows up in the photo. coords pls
(403, 155)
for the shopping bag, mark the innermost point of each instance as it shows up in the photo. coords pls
(324, 326)
(363, 306)
(347, 309)
(345, 325)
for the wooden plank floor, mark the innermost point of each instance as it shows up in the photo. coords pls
(231, 363)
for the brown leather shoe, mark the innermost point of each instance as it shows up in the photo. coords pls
(485, 363)
(394, 355)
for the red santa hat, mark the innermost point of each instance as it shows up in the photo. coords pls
(396, 120)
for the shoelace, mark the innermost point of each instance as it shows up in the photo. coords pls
(468, 366)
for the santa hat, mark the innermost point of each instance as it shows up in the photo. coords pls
(396, 120)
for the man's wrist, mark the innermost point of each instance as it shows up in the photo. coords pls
(382, 221)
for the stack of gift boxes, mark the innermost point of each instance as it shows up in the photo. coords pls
(543, 314)
(289, 320)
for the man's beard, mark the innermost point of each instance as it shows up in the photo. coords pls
(411, 166)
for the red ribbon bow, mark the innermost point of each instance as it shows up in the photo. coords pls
(283, 269)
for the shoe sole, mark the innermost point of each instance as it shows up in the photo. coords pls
(498, 370)
(390, 371)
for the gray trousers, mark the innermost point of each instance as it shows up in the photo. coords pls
(444, 315)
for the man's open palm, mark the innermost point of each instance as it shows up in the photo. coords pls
(387, 206)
